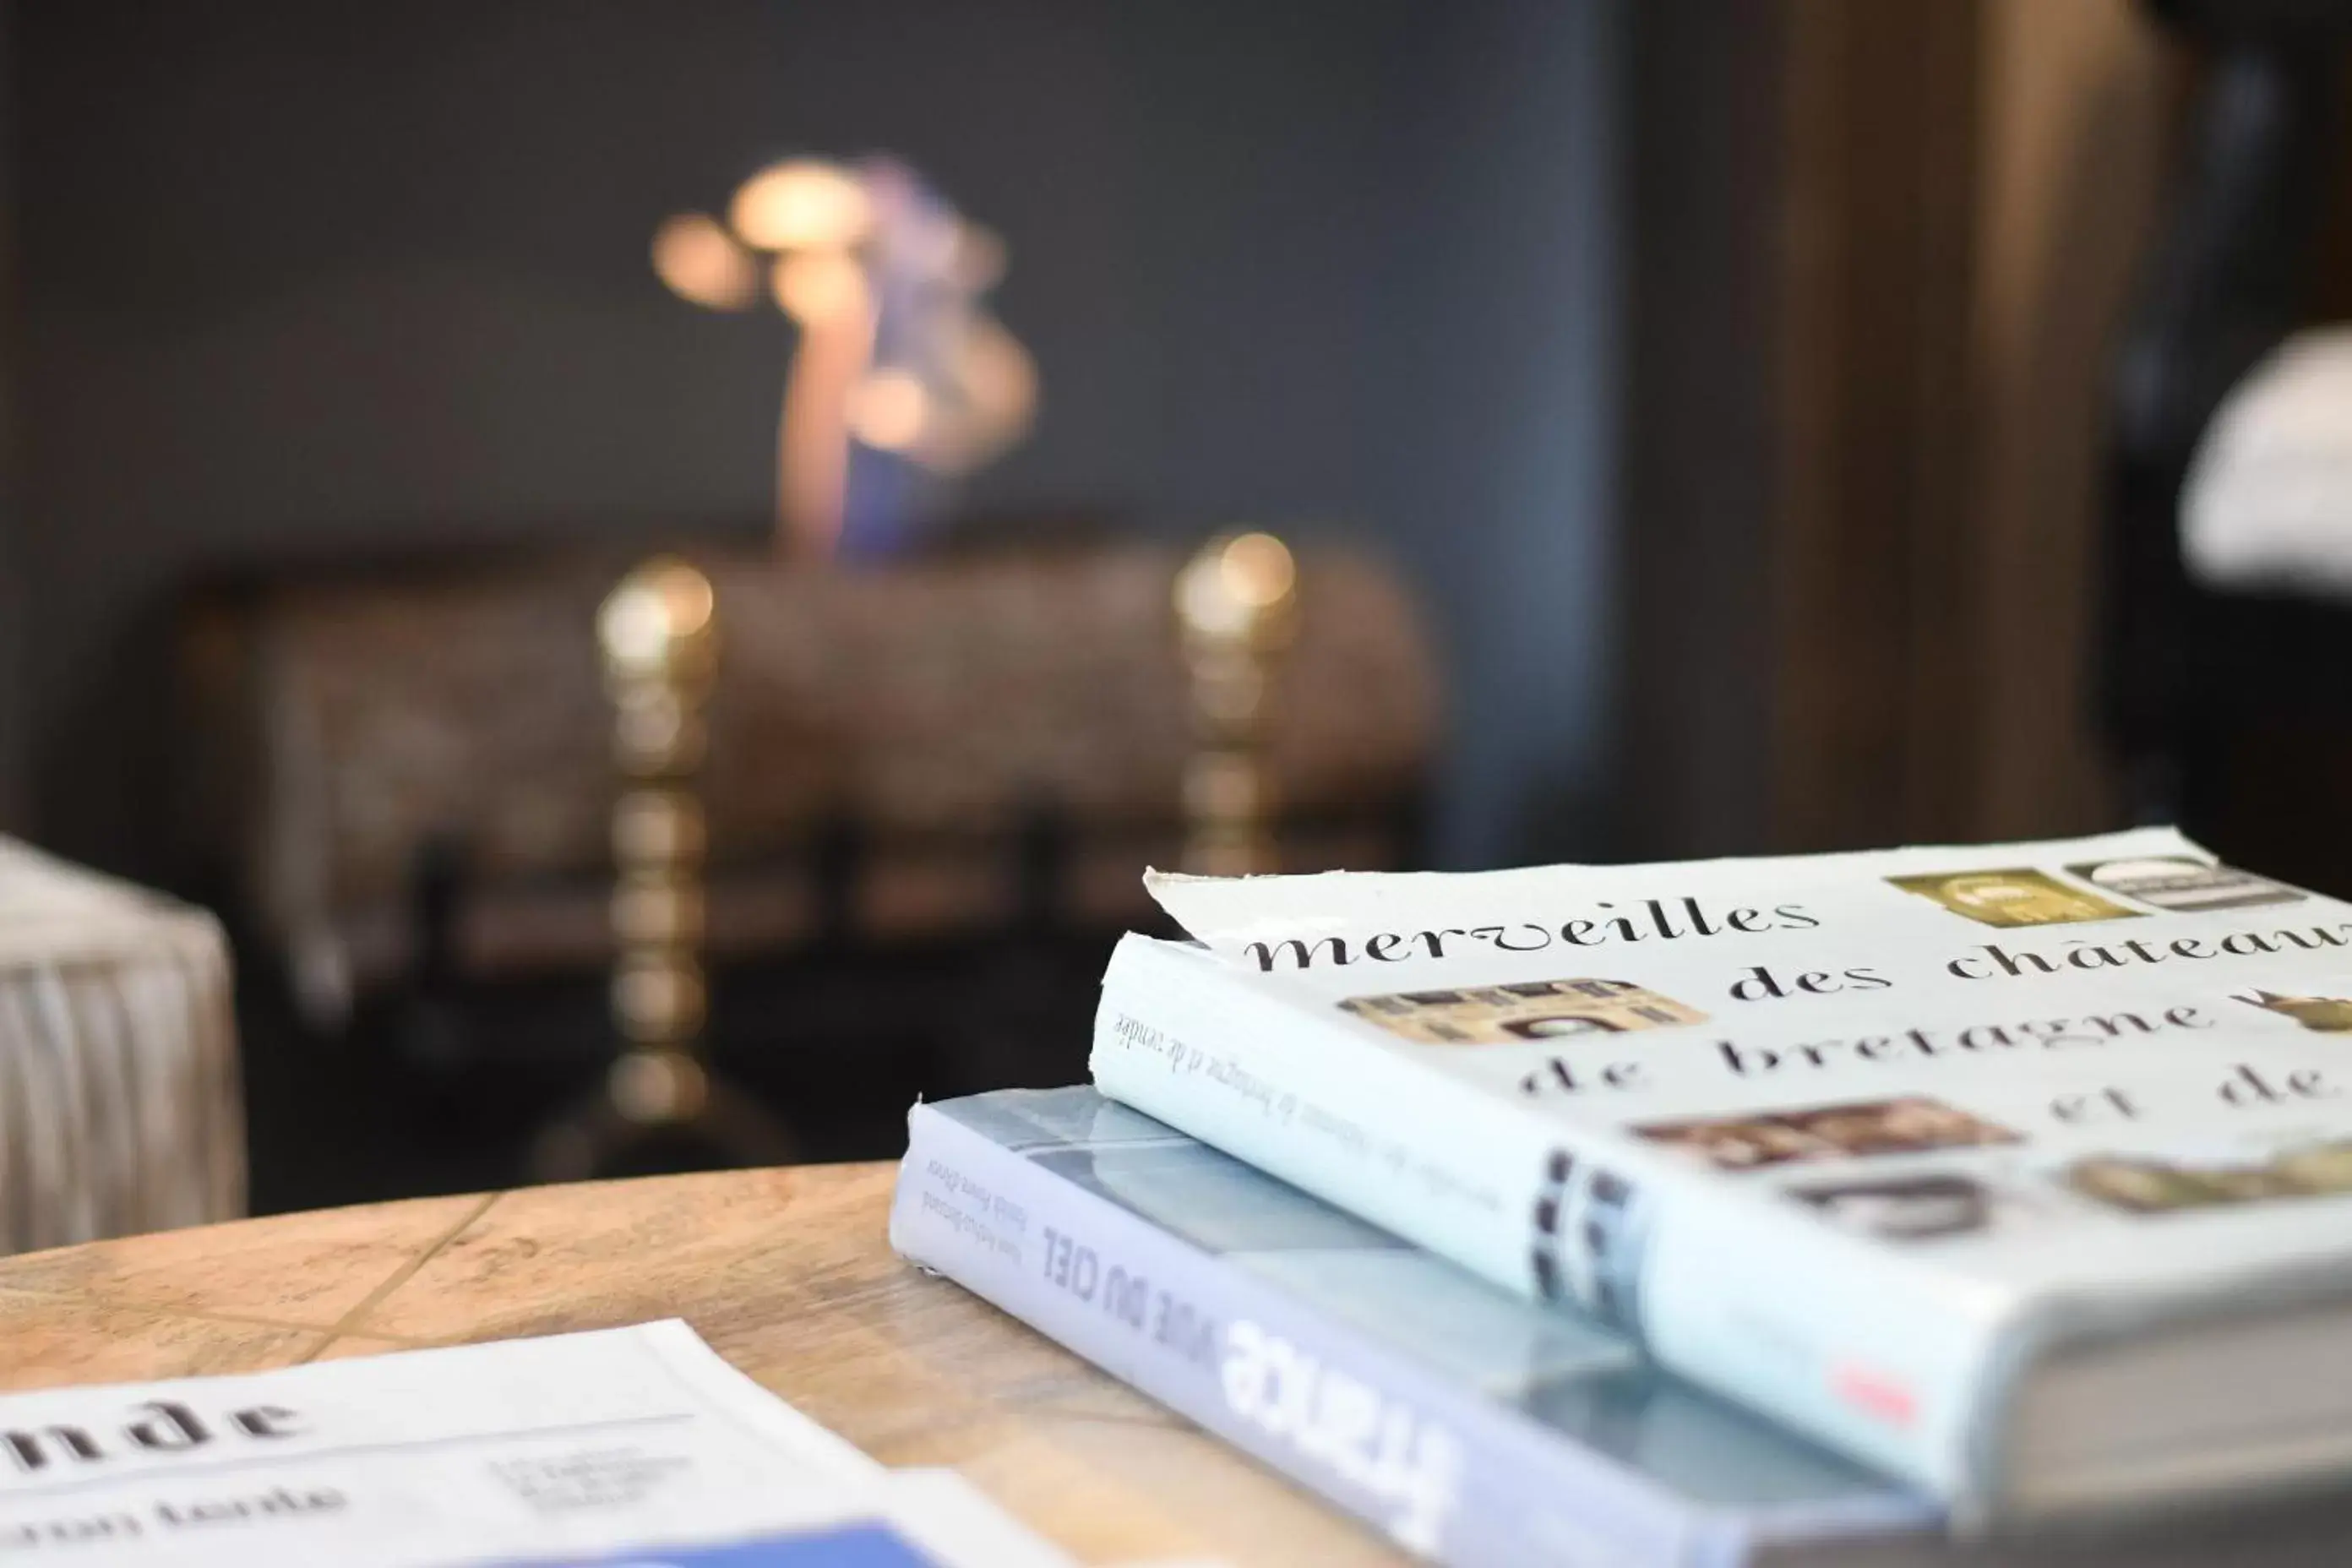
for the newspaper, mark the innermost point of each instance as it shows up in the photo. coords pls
(636, 1445)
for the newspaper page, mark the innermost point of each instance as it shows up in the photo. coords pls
(637, 1445)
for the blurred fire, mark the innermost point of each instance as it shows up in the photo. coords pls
(897, 357)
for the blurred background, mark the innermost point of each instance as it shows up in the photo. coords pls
(1650, 430)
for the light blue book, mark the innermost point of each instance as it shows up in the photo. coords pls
(1470, 1426)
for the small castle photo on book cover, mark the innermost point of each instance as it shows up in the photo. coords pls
(1904, 1208)
(1528, 1010)
(2147, 1185)
(1753, 1140)
(2178, 883)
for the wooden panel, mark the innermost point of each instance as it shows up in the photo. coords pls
(1879, 251)
(2080, 102)
(1867, 574)
(1796, 476)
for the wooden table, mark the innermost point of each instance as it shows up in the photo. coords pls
(786, 1272)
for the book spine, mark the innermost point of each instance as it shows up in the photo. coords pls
(1441, 1470)
(1231, 1069)
(1828, 1333)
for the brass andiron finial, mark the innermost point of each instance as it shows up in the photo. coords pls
(1236, 602)
(658, 635)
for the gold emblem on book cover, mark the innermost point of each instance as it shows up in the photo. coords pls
(1529, 1010)
(2012, 898)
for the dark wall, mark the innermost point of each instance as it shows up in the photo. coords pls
(16, 805)
(1705, 213)
(312, 281)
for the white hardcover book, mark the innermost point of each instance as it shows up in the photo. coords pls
(2023, 1172)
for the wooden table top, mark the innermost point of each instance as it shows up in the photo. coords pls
(786, 1272)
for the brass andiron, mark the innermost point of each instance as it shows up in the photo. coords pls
(1237, 603)
(659, 636)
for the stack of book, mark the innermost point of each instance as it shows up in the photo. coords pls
(1897, 1207)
